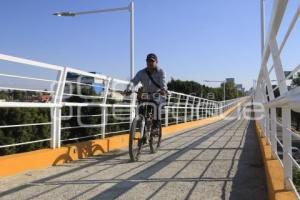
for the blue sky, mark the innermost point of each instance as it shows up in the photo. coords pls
(194, 39)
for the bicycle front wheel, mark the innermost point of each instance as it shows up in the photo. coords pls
(155, 139)
(135, 137)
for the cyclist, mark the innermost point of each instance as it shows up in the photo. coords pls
(153, 79)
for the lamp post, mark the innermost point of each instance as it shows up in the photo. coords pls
(129, 8)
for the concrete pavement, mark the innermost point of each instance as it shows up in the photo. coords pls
(218, 161)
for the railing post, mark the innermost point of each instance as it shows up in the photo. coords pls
(193, 107)
(273, 131)
(268, 131)
(185, 109)
(287, 147)
(198, 109)
(167, 111)
(210, 108)
(202, 108)
(215, 108)
(206, 108)
(178, 105)
(223, 106)
(104, 109)
(56, 111)
(265, 125)
(53, 128)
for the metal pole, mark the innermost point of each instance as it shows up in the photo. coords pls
(268, 131)
(131, 39)
(72, 14)
(287, 147)
(104, 109)
(167, 112)
(56, 111)
(205, 114)
(131, 10)
(59, 100)
(273, 131)
(185, 109)
(262, 25)
(193, 109)
(177, 110)
(224, 95)
(198, 109)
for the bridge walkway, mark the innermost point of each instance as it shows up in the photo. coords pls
(217, 161)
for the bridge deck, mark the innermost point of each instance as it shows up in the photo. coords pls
(219, 161)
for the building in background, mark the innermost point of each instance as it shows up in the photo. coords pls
(230, 80)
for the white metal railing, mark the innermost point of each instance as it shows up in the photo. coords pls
(280, 104)
(76, 96)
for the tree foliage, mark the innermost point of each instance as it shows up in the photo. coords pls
(192, 87)
(18, 116)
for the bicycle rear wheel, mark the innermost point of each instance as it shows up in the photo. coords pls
(135, 138)
(155, 139)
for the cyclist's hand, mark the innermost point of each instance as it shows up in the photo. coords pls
(127, 92)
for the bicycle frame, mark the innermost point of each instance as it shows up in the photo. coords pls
(147, 118)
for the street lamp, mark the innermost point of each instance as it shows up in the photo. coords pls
(224, 93)
(129, 8)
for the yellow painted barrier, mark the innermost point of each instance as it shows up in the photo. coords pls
(16, 163)
(274, 171)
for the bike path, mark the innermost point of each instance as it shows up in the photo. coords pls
(218, 161)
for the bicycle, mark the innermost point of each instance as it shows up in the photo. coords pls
(142, 130)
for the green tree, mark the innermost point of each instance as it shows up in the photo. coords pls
(14, 116)
(76, 111)
(192, 87)
(3, 95)
(231, 91)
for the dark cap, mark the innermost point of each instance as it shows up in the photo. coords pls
(151, 56)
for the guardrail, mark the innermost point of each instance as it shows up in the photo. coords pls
(278, 99)
(76, 100)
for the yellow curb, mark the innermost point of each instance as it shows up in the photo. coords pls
(274, 171)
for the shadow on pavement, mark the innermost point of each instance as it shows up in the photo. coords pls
(250, 181)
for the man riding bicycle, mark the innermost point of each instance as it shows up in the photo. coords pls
(153, 80)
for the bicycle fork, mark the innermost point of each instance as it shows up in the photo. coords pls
(143, 128)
